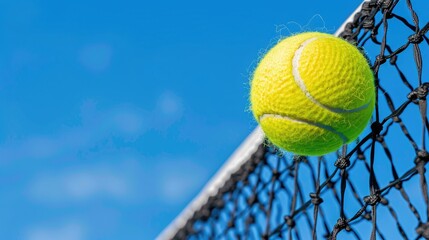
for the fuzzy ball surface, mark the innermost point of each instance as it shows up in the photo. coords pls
(312, 93)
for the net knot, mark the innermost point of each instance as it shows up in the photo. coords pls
(250, 220)
(370, 4)
(421, 159)
(368, 23)
(276, 174)
(231, 223)
(342, 162)
(415, 38)
(227, 187)
(396, 119)
(289, 221)
(252, 200)
(367, 216)
(423, 230)
(300, 159)
(341, 223)
(250, 166)
(385, 4)
(347, 34)
(219, 203)
(330, 184)
(380, 59)
(376, 128)
(398, 185)
(419, 93)
(393, 59)
(348, 29)
(367, 20)
(423, 155)
(360, 154)
(372, 199)
(315, 199)
(204, 214)
(366, 6)
(389, 15)
(379, 139)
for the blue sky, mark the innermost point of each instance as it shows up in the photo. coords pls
(115, 113)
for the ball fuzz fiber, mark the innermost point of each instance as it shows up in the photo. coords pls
(312, 93)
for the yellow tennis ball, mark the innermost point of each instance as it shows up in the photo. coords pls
(312, 93)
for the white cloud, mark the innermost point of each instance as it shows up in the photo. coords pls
(179, 179)
(40, 146)
(170, 104)
(170, 179)
(123, 121)
(81, 185)
(67, 231)
(168, 110)
(96, 57)
(86, 184)
(126, 122)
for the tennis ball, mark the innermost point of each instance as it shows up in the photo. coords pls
(312, 93)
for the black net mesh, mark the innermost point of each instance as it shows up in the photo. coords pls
(373, 188)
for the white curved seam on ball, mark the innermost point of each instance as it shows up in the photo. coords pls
(300, 82)
(315, 124)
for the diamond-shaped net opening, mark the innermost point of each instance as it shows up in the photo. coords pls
(373, 188)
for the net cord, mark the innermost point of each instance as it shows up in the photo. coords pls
(235, 161)
(247, 148)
